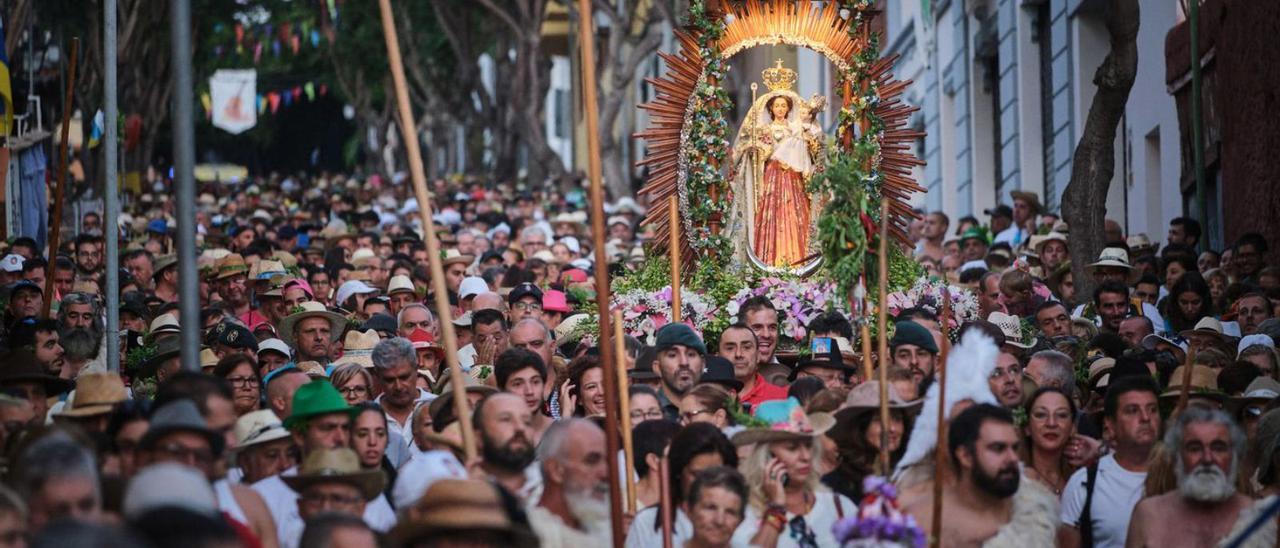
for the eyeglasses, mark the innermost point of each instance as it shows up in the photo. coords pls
(688, 416)
(527, 306)
(183, 453)
(241, 382)
(354, 390)
(641, 416)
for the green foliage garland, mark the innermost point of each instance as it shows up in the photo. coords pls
(708, 143)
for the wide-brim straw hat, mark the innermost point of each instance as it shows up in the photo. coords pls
(357, 348)
(453, 256)
(866, 397)
(311, 309)
(1031, 198)
(1261, 391)
(459, 506)
(1207, 326)
(1011, 326)
(339, 465)
(1204, 383)
(96, 394)
(257, 428)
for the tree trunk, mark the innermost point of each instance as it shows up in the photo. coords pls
(1084, 200)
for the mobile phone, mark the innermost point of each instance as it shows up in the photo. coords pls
(786, 478)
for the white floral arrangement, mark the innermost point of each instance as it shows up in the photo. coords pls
(644, 312)
(927, 293)
(797, 301)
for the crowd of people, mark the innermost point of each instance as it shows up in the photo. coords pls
(321, 411)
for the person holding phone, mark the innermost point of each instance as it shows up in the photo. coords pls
(788, 506)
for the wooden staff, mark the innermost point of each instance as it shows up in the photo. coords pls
(587, 51)
(624, 396)
(664, 500)
(55, 235)
(461, 407)
(940, 456)
(1185, 393)
(865, 320)
(674, 249)
(882, 319)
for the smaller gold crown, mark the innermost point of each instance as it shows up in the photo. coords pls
(778, 78)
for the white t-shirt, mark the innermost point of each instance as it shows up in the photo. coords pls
(820, 518)
(1117, 492)
(643, 534)
(282, 501)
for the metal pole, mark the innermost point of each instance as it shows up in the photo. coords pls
(1197, 123)
(110, 230)
(184, 152)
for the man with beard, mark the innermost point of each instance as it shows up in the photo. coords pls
(88, 255)
(80, 328)
(988, 504)
(395, 371)
(574, 507)
(1132, 416)
(1207, 447)
(503, 421)
(913, 349)
(312, 332)
(680, 362)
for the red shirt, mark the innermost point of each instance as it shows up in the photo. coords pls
(763, 391)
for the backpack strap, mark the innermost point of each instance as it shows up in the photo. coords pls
(1086, 514)
(839, 507)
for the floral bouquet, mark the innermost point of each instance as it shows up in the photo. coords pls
(927, 294)
(797, 301)
(644, 312)
(880, 521)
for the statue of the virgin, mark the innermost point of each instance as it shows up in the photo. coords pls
(778, 148)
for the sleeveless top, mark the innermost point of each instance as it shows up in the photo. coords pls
(227, 501)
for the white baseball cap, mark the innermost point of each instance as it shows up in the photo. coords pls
(12, 263)
(472, 286)
(275, 345)
(352, 287)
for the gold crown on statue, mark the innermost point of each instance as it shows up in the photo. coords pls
(778, 77)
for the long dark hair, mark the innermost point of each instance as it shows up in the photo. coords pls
(1191, 282)
(856, 456)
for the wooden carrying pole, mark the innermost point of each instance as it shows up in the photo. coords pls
(674, 248)
(940, 456)
(55, 233)
(587, 50)
(461, 407)
(624, 397)
(883, 343)
(1185, 394)
(664, 500)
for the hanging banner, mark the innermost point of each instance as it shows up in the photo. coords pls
(234, 95)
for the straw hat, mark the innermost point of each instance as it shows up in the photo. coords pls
(358, 348)
(1100, 367)
(1208, 326)
(313, 369)
(459, 505)
(1204, 383)
(340, 465)
(96, 394)
(208, 358)
(401, 284)
(1115, 257)
(258, 427)
(786, 421)
(311, 309)
(229, 266)
(452, 256)
(1038, 241)
(1032, 199)
(866, 397)
(1011, 326)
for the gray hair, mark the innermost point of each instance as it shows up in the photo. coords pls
(1061, 370)
(51, 457)
(1195, 414)
(552, 445)
(78, 297)
(411, 306)
(392, 352)
(546, 330)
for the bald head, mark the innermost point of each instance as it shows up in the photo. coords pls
(488, 300)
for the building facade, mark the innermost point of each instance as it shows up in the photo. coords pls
(1004, 87)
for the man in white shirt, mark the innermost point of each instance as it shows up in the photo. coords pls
(574, 507)
(1132, 414)
(396, 374)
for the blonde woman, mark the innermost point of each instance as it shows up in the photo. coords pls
(354, 382)
(787, 505)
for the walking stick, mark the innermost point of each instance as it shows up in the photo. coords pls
(674, 249)
(624, 396)
(55, 235)
(882, 318)
(1185, 393)
(461, 407)
(587, 51)
(939, 456)
(664, 500)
